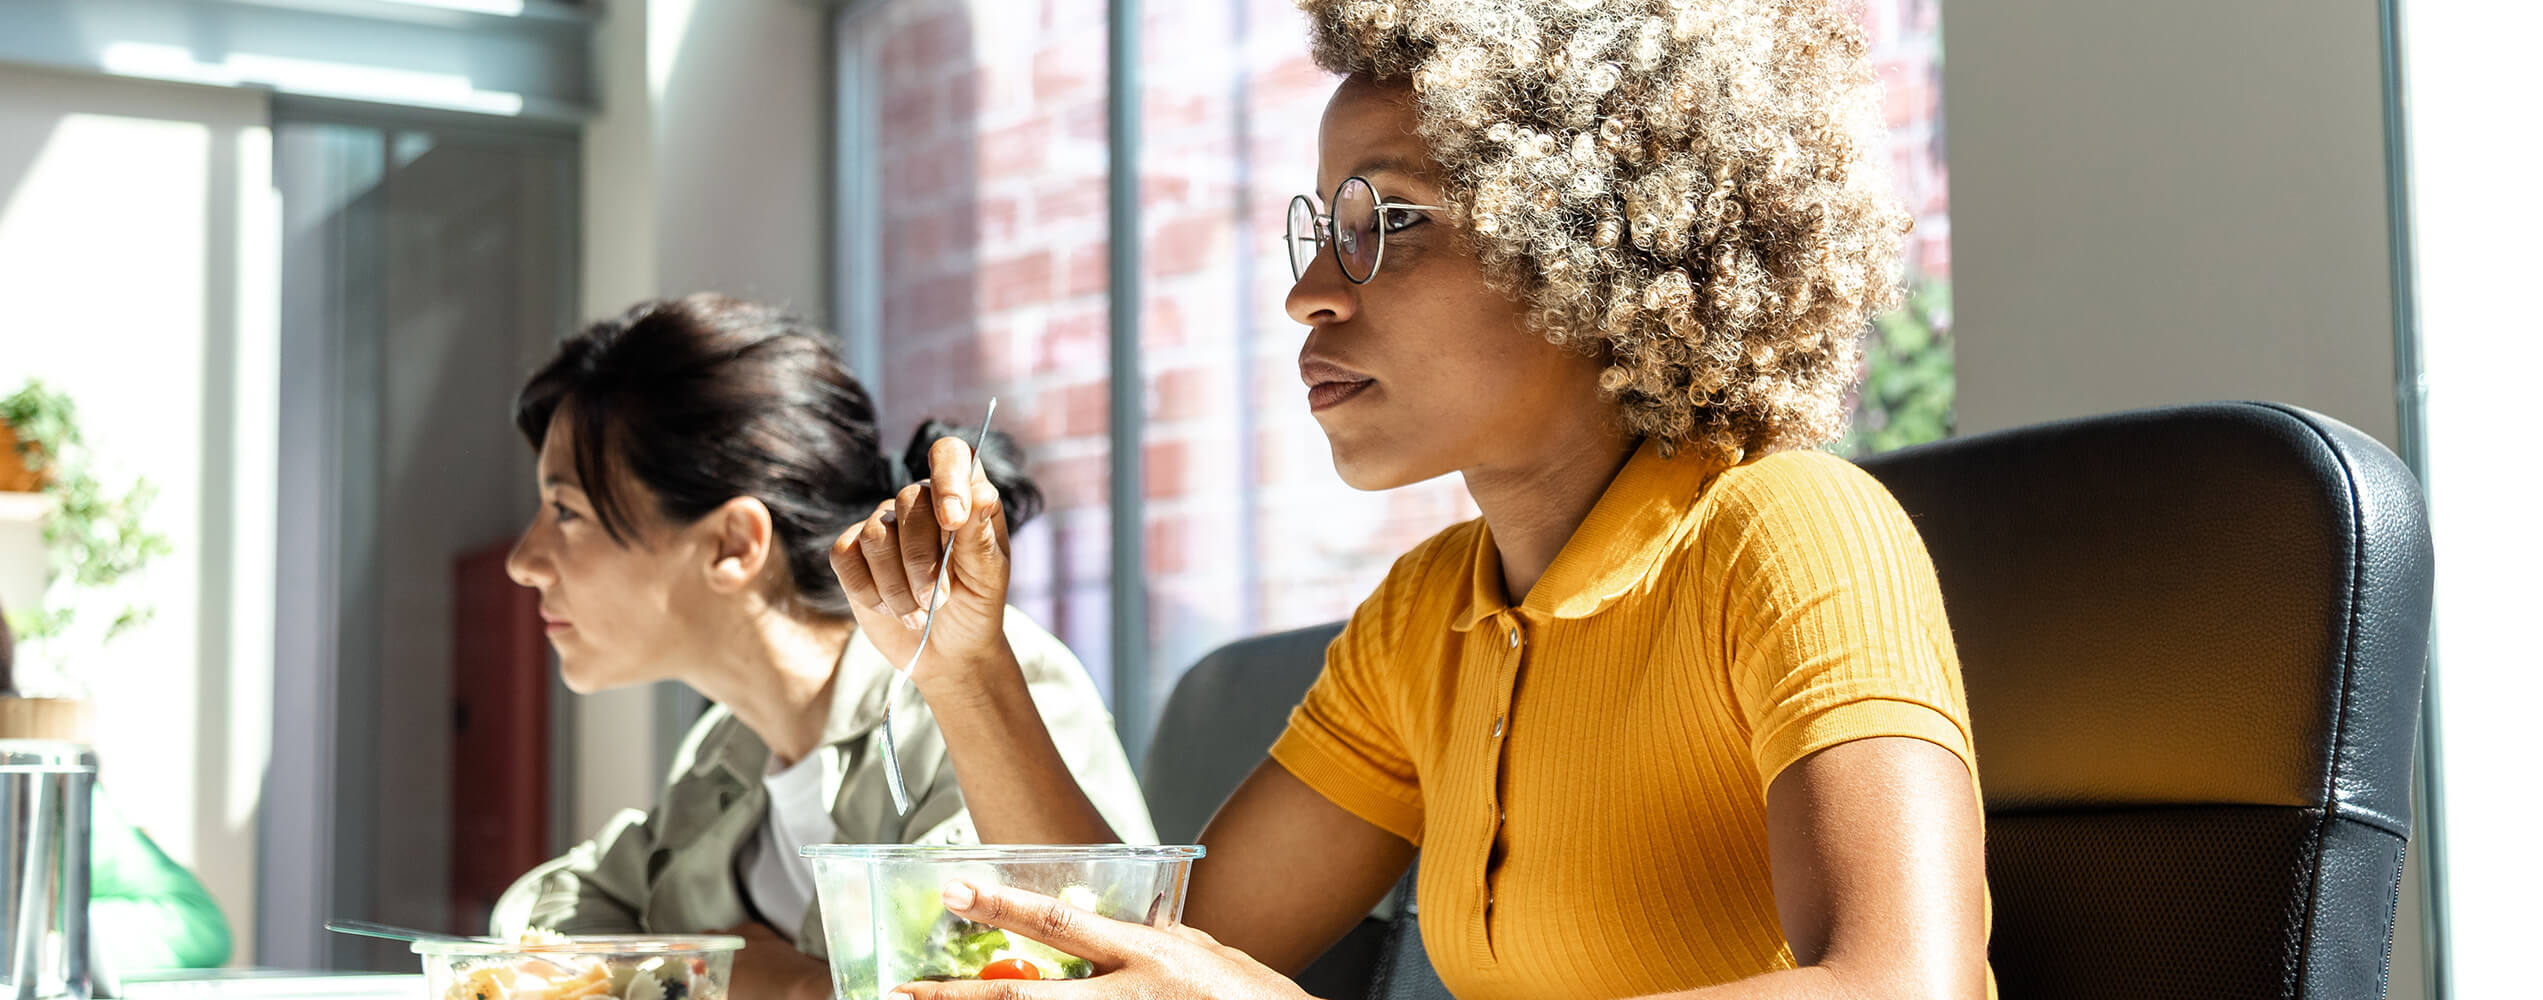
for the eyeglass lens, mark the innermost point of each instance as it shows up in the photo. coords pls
(1356, 238)
(1355, 230)
(1303, 238)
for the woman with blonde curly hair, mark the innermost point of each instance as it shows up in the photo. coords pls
(1680, 714)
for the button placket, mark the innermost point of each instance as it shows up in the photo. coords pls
(1510, 677)
(1514, 653)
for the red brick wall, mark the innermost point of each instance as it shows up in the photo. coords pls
(1907, 51)
(993, 166)
(991, 159)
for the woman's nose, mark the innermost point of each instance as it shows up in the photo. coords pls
(527, 565)
(1322, 296)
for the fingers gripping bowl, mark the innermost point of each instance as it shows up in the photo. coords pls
(883, 911)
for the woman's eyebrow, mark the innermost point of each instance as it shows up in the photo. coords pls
(1389, 163)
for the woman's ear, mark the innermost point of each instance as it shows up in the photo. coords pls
(745, 537)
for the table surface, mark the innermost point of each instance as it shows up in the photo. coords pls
(281, 984)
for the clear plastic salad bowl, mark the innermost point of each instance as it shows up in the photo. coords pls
(593, 967)
(884, 918)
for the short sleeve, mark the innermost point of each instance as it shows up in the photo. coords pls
(1836, 623)
(1346, 737)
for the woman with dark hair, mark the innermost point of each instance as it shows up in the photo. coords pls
(696, 457)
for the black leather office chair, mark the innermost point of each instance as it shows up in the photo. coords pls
(2193, 640)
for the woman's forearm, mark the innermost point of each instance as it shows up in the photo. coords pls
(1016, 785)
(1819, 982)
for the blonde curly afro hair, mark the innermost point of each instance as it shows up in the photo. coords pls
(1693, 188)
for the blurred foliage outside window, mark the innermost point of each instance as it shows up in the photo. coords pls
(1907, 391)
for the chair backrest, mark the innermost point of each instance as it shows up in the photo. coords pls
(2193, 640)
(1217, 725)
(1220, 722)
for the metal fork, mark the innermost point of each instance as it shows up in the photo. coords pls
(900, 678)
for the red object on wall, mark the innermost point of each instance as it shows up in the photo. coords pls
(499, 736)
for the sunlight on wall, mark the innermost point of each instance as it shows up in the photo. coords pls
(137, 250)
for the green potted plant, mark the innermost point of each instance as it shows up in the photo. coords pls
(65, 538)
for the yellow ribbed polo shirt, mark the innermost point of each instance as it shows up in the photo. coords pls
(1586, 773)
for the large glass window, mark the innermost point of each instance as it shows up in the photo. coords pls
(1249, 529)
(2467, 419)
(423, 272)
(975, 226)
(1906, 396)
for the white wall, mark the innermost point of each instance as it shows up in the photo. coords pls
(707, 168)
(706, 171)
(137, 248)
(2161, 201)
(2164, 201)
(741, 148)
(618, 169)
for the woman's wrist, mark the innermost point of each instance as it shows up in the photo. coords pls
(976, 684)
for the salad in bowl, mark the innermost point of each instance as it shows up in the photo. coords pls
(884, 918)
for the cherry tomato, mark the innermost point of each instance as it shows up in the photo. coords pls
(1010, 968)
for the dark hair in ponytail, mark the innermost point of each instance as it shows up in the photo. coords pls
(707, 398)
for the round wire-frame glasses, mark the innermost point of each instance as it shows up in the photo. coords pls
(1358, 239)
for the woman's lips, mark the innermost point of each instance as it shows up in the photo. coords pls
(1324, 396)
(1330, 385)
(554, 623)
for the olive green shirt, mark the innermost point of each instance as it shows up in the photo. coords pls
(677, 870)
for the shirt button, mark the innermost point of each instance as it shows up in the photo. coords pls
(1514, 637)
(1496, 726)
